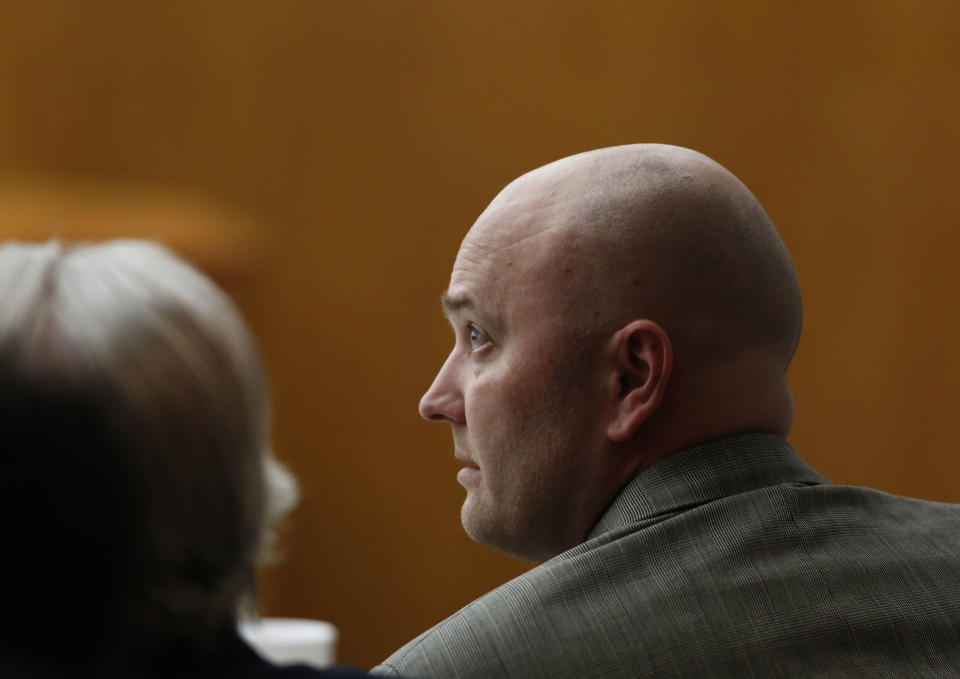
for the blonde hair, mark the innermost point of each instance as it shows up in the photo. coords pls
(128, 367)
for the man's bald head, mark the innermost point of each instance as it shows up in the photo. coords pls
(610, 309)
(667, 233)
(664, 233)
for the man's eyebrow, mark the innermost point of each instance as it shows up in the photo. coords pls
(452, 303)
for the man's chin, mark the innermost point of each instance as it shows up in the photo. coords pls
(481, 527)
(471, 518)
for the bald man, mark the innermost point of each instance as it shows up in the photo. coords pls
(617, 391)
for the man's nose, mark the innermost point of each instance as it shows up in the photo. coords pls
(444, 399)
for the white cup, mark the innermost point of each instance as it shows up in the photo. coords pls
(292, 640)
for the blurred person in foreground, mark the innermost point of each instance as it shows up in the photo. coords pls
(137, 487)
(617, 390)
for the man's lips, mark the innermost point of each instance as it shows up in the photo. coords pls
(469, 473)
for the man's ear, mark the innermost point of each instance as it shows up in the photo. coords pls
(643, 358)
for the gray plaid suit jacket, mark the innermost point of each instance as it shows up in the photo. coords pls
(729, 559)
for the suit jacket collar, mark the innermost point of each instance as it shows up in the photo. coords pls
(705, 472)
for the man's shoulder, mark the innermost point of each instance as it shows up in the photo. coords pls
(543, 621)
(730, 576)
(495, 635)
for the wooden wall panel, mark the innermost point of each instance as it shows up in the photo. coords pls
(362, 138)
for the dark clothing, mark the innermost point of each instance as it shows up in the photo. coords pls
(232, 659)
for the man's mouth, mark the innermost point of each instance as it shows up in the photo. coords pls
(469, 474)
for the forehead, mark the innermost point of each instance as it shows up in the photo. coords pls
(524, 228)
(520, 266)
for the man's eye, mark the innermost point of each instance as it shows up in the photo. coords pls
(477, 338)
